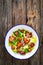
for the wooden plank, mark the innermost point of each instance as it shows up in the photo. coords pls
(41, 32)
(1, 9)
(41, 24)
(41, 16)
(28, 7)
(19, 10)
(1, 36)
(36, 5)
(14, 11)
(35, 23)
(22, 11)
(6, 24)
(42, 8)
(29, 13)
(41, 49)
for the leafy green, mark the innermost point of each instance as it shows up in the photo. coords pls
(15, 50)
(15, 41)
(25, 50)
(20, 34)
(24, 32)
(21, 48)
(13, 34)
(10, 44)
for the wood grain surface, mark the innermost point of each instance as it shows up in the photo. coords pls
(14, 12)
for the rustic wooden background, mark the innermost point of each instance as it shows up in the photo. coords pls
(13, 12)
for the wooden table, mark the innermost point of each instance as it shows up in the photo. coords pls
(14, 12)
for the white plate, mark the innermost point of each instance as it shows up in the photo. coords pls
(16, 55)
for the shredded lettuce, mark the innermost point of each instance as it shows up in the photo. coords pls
(20, 34)
(25, 50)
(13, 34)
(15, 50)
(26, 46)
(10, 43)
(15, 41)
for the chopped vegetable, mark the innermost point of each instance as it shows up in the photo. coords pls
(15, 41)
(33, 39)
(32, 44)
(11, 38)
(25, 50)
(16, 33)
(29, 49)
(22, 30)
(19, 45)
(26, 46)
(22, 41)
(19, 39)
(13, 34)
(20, 34)
(26, 40)
(10, 43)
(28, 34)
(21, 52)
(15, 50)
(12, 47)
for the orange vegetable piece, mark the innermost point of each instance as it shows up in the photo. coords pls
(22, 30)
(19, 44)
(11, 38)
(26, 40)
(32, 44)
(16, 33)
(21, 52)
(28, 34)
(29, 49)
(19, 39)
(12, 47)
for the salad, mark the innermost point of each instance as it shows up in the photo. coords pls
(22, 41)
